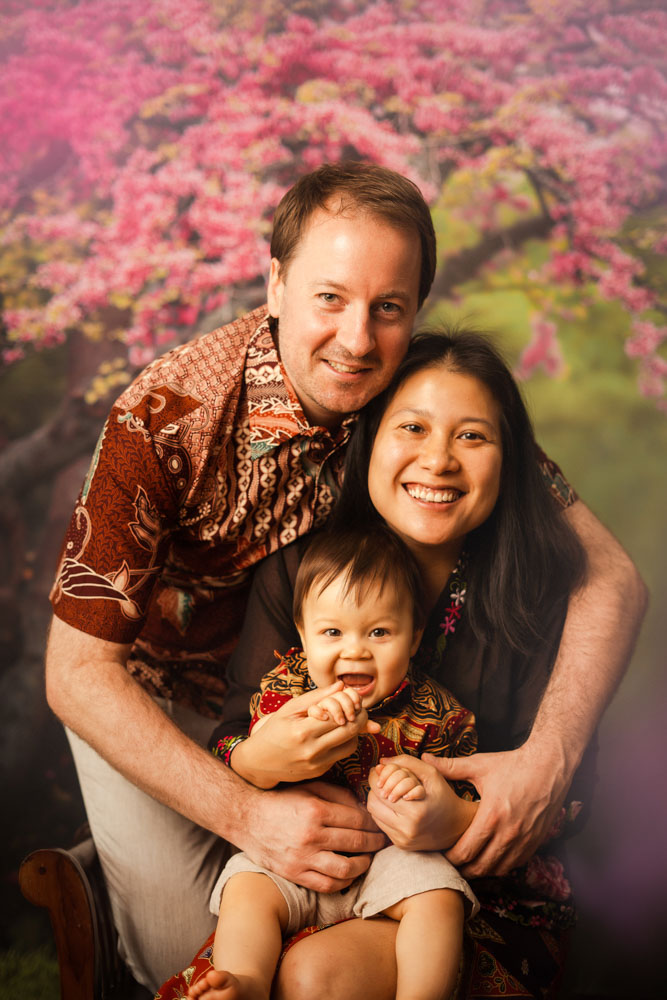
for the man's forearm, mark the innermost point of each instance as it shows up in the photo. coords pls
(90, 690)
(603, 621)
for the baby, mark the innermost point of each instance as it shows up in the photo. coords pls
(358, 606)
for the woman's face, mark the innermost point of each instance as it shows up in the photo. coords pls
(434, 472)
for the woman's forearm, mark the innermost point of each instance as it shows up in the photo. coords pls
(247, 761)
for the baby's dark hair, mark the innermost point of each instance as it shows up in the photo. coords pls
(366, 558)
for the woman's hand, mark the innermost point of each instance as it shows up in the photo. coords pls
(432, 823)
(521, 793)
(289, 745)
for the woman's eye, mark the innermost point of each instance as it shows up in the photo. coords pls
(472, 436)
(412, 428)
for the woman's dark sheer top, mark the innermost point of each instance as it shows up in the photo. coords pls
(502, 688)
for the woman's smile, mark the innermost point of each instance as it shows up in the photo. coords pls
(430, 494)
(434, 473)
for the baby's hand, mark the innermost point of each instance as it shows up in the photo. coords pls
(341, 707)
(395, 782)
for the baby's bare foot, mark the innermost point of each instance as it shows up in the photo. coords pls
(220, 985)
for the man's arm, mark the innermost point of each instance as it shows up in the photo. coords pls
(294, 831)
(522, 790)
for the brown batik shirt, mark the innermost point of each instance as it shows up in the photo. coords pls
(205, 465)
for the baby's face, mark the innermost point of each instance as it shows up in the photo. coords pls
(366, 642)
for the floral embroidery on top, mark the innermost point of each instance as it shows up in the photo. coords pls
(428, 660)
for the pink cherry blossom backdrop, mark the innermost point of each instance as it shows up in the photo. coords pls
(143, 148)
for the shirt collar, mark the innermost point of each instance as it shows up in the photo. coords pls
(400, 694)
(275, 414)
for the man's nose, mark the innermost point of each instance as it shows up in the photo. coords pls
(355, 332)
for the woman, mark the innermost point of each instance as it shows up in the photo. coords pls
(447, 458)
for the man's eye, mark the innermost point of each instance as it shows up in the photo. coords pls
(389, 308)
(328, 297)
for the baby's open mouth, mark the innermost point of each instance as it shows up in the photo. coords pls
(356, 680)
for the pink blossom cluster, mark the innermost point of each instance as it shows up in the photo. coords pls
(143, 147)
(543, 351)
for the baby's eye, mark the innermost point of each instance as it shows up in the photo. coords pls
(333, 632)
(379, 633)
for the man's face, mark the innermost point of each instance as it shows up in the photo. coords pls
(346, 304)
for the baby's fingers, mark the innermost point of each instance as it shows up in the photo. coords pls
(401, 789)
(398, 783)
(318, 712)
(340, 707)
(415, 794)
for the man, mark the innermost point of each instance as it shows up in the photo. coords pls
(219, 454)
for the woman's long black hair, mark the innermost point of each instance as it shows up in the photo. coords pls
(525, 556)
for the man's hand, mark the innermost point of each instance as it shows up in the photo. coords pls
(432, 823)
(299, 832)
(289, 745)
(521, 793)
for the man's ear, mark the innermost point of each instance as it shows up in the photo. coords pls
(416, 639)
(275, 288)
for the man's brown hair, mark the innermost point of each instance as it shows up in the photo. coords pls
(381, 192)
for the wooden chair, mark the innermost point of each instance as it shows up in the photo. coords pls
(69, 884)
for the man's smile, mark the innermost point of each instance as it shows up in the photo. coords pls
(343, 368)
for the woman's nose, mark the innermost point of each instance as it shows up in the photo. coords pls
(437, 456)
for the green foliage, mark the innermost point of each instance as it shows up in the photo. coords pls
(610, 442)
(30, 392)
(29, 975)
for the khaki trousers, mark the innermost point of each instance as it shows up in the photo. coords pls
(159, 867)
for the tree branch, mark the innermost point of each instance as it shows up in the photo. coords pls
(462, 266)
(68, 435)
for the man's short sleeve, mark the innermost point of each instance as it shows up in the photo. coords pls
(118, 535)
(555, 481)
